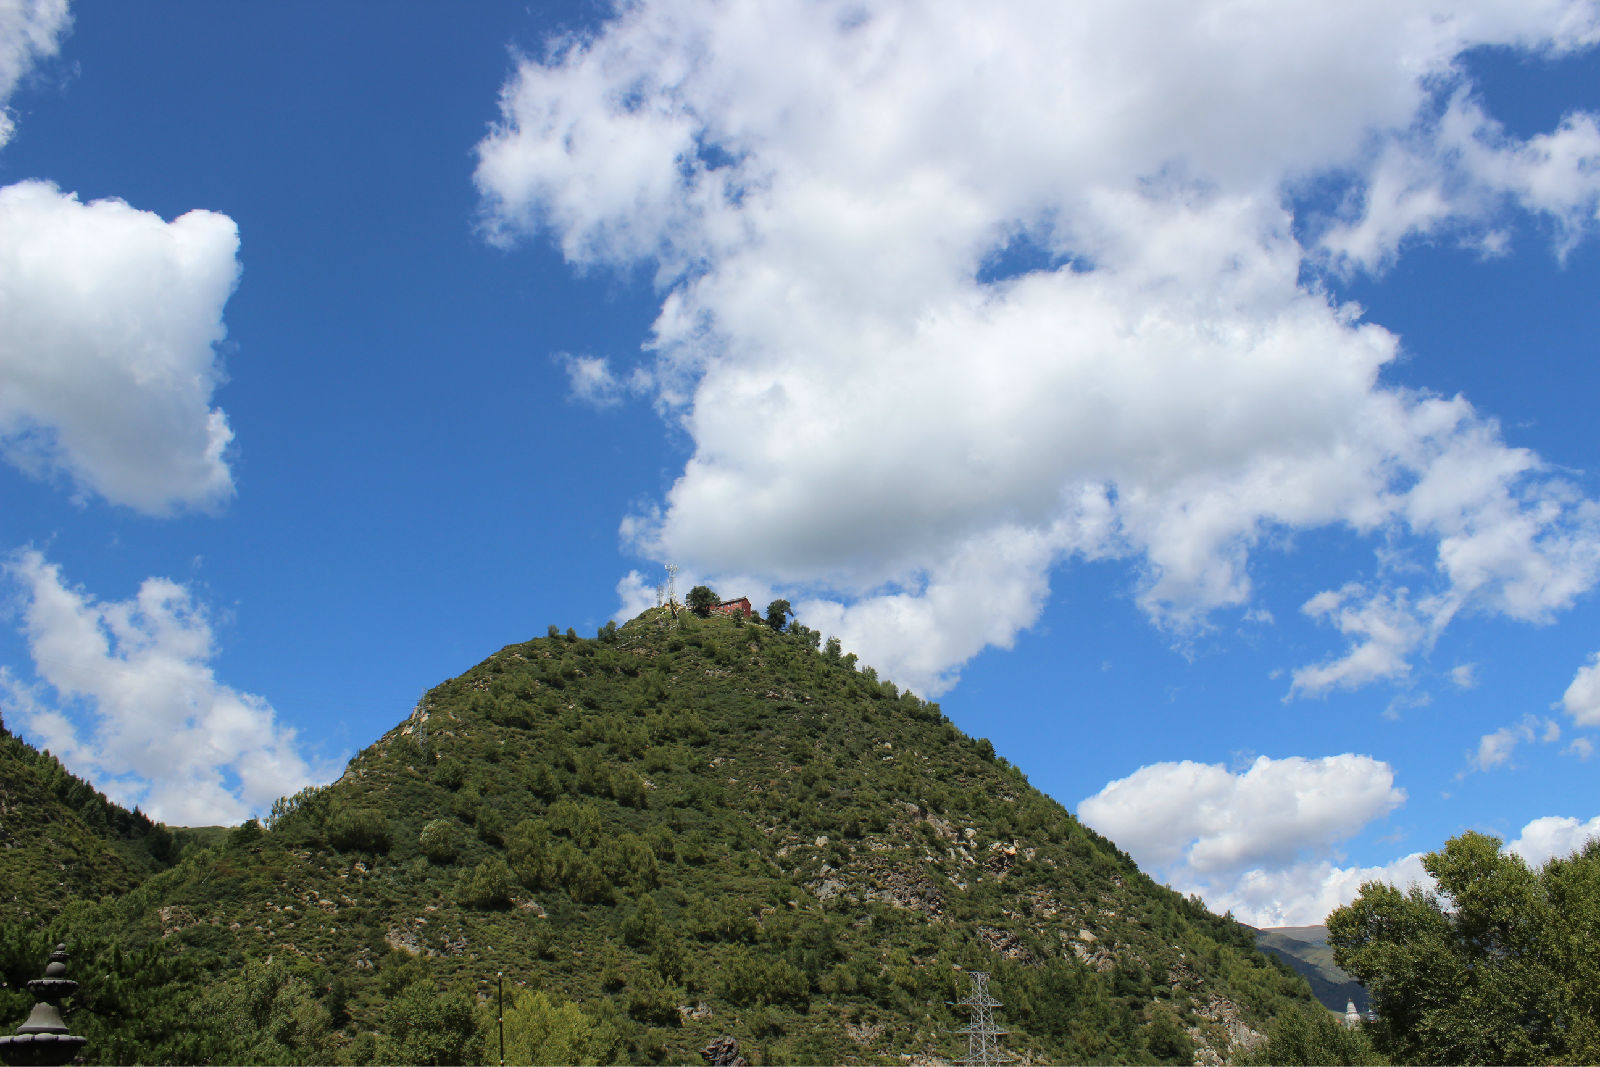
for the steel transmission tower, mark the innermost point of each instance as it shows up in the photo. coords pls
(983, 1040)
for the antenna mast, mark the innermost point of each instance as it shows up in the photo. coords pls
(983, 1040)
(672, 584)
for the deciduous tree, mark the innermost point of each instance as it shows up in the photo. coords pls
(541, 1030)
(1494, 966)
(701, 599)
(426, 1027)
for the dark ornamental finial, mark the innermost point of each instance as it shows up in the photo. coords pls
(43, 1039)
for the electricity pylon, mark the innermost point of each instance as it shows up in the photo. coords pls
(983, 1040)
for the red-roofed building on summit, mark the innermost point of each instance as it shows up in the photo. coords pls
(734, 607)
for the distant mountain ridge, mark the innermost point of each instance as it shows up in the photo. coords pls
(681, 829)
(1306, 949)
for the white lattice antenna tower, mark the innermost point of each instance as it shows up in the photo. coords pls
(672, 583)
(983, 1040)
(661, 593)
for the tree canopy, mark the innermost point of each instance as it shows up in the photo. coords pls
(701, 600)
(778, 613)
(1494, 966)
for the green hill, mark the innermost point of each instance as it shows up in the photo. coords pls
(61, 840)
(681, 829)
(1306, 950)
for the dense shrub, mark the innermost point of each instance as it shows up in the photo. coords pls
(359, 830)
(747, 979)
(441, 841)
(651, 1001)
(488, 885)
(424, 1026)
(642, 925)
(450, 773)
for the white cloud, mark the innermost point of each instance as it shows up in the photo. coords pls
(1213, 820)
(1582, 698)
(1581, 747)
(1261, 843)
(1385, 632)
(1553, 836)
(1257, 842)
(593, 382)
(107, 359)
(138, 709)
(30, 30)
(635, 595)
(993, 586)
(820, 188)
(1458, 170)
(1464, 675)
(1304, 893)
(1495, 749)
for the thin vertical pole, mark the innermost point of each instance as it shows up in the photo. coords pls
(500, 985)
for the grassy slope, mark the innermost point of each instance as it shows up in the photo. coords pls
(708, 816)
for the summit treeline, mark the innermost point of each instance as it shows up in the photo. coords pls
(684, 828)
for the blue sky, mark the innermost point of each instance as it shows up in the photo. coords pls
(1195, 399)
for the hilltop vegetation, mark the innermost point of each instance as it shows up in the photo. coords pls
(682, 828)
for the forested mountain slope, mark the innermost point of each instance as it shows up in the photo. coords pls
(61, 840)
(680, 829)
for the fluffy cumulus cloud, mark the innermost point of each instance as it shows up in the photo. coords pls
(137, 708)
(955, 295)
(108, 358)
(1262, 843)
(1552, 837)
(30, 30)
(1303, 894)
(1258, 842)
(1212, 819)
(112, 315)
